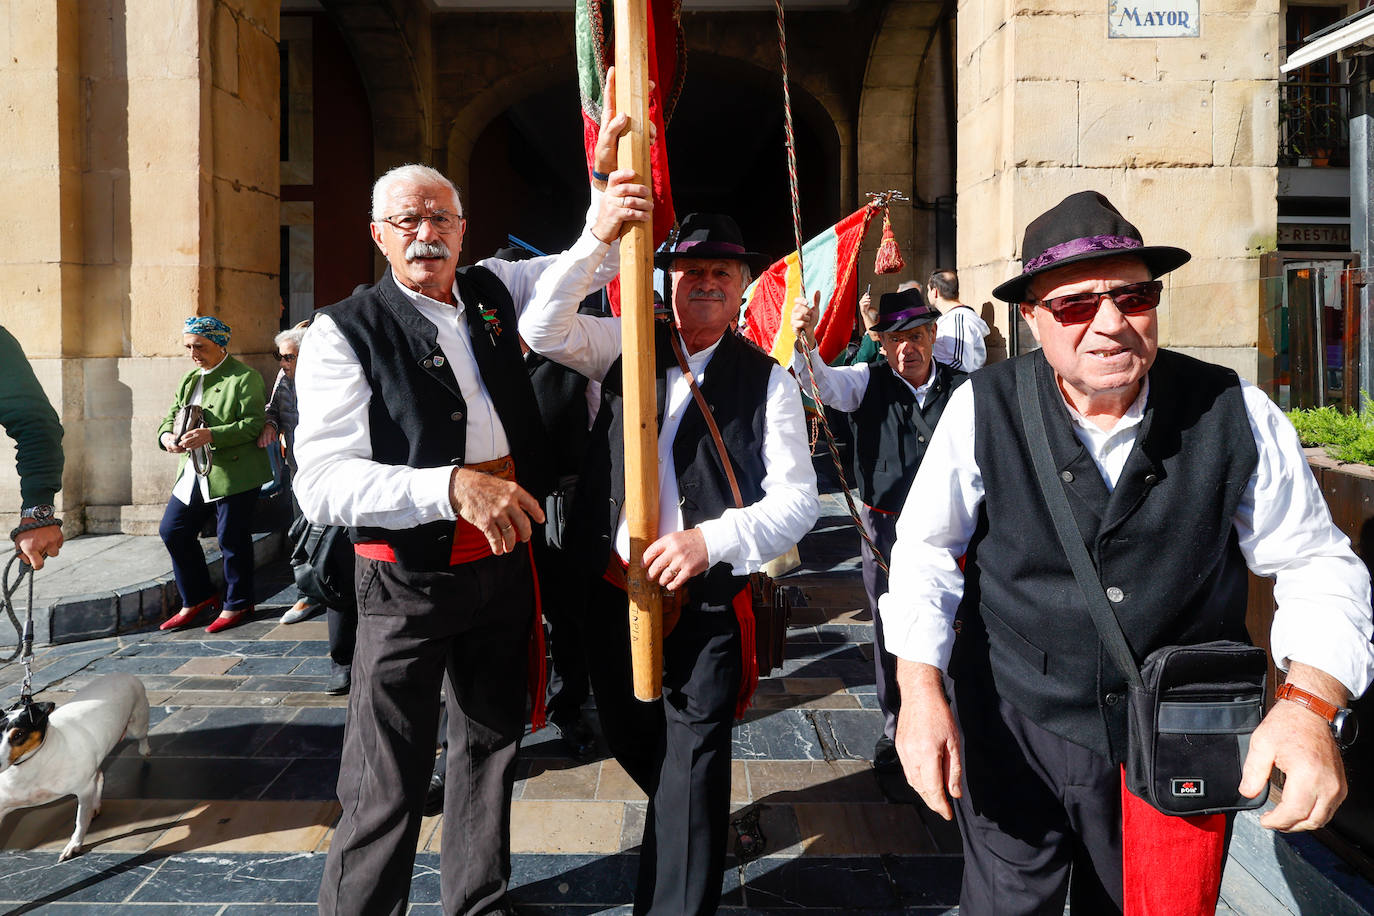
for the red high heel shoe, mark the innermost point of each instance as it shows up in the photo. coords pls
(224, 623)
(184, 616)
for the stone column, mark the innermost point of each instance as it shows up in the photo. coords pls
(1179, 133)
(140, 185)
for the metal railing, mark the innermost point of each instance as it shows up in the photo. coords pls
(1314, 124)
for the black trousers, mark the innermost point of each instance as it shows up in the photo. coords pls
(563, 594)
(883, 529)
(676, 749)
(1040, 816)
(467, 627)
(180, 531)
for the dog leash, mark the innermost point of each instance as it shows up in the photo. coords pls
(24, 649)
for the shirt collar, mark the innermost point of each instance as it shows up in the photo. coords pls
(701, 357)
(1132, 417)
(420, 298)
(205, 372)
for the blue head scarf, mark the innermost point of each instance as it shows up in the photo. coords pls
(209, 327)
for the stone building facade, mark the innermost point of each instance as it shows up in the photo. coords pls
(174, 157)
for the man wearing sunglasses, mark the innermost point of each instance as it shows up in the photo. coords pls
(1180, 476)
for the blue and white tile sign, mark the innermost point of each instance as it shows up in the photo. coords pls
(1152, 18)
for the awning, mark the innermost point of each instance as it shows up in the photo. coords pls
(1348, 33)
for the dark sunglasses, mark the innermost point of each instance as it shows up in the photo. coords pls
(285, 357)
(1081, 307)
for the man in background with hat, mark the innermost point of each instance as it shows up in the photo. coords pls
(678, 748)
(896, 404)
(1180, 476)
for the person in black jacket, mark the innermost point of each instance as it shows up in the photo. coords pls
(895, 404)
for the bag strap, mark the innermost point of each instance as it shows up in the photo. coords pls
(917, 417)
(710, 419)
(1070, 537)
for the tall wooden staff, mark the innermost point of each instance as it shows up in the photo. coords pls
(637, 338)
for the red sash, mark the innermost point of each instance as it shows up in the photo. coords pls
(470, 545)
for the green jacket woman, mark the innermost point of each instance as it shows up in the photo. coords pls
(232, 397)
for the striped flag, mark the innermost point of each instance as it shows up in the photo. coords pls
(595, 35)
(829, 260)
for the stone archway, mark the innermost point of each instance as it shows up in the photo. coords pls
(699, 136)
(393, 53)
(905, 84)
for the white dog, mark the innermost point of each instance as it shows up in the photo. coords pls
(48, 752)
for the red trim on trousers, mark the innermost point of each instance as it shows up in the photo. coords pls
(1169, 864)
(743, 606)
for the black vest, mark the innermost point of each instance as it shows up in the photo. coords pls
(417, 413)
(561, 394)
(1164, 537)
(889, 445)
(736, 387)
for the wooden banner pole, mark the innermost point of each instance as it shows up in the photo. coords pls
(637, 339)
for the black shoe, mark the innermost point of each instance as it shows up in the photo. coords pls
(340, 680)
(578, 739)
(885, 759)
(434, 797)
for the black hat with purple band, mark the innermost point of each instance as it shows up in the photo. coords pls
(713, 236)
(1083, 227)
(904, 311)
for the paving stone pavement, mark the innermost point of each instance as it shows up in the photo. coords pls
(234, 810)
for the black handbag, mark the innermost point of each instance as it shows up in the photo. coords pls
(1191, 709)
(322, 563)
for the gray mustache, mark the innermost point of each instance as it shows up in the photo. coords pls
(419, 249)
(711, 294)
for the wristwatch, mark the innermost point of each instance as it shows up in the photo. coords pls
(1344, 726)
(38, 513)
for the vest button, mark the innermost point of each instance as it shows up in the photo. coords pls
(1112, 699)
(456, 415)
(920, 438)
(1115, 594)
(428, 364)
(1066, 476)
(1151, 479)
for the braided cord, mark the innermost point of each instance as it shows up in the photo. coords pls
(804, 338)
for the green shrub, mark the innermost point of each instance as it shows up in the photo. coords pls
(1345, 436)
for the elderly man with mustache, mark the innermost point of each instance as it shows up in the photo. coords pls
(420, 431)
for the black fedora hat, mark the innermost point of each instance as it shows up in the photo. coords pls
(1083, 227)
(904, 310)
(710, 235)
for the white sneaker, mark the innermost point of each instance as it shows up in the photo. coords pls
(301, 610)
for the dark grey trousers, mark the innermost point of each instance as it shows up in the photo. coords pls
(1040, 816)
(467, 627)
(883, 529)
(677, 749)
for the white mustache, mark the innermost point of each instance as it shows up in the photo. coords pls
(419, 249)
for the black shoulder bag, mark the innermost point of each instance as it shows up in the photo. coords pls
(1191, 709)
(322, 563)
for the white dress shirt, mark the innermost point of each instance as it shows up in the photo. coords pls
(1282, 523)
(843, 387)
(338, 483)
(959, 337)
(189, 480)
(745, 538)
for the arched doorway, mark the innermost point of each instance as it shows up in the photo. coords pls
(726, 152)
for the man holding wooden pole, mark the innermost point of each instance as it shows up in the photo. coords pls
(678, 748)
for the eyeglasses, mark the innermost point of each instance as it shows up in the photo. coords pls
(1079, 308)
(285, 357)
(410, 223)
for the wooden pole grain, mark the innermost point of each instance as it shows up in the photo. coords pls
(637, 338)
